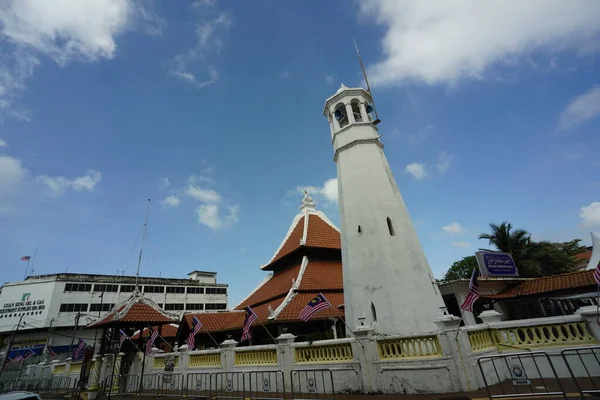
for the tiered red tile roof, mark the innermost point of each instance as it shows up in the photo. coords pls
(293, 285)
(134, 311)
(547, 284)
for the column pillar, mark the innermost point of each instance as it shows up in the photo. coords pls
(117, 370)
(363, 112)
(94, 378)
(350, 114)
(589, 314)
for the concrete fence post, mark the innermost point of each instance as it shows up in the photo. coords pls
(455, 344)
(364, 348)
(228, 355)
(94, 378)
(589, 313)
(286, 358)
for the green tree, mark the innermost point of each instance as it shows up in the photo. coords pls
(461, 269)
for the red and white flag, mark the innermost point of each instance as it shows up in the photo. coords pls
(473, 294)
(25, 258)
(151, 341)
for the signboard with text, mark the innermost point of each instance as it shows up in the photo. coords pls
(27, 300)
(496, 264)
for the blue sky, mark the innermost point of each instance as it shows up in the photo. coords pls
(213, 110)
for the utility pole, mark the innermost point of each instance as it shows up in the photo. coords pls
(9, 348)
(73, 337)
(99, 313)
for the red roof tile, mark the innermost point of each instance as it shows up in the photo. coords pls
(322, 275)
(292, 242)
(140, 311)
(321, 234)
(279, 284)
(292, 311)
(547, 284)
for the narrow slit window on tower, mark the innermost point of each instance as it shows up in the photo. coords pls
(373, 312)
(390, 227)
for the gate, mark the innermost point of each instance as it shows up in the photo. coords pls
(162, 385)
(266, 385)
(312, 384)
(229, 385)
(198, 385)
(520, 375)
(584, 366)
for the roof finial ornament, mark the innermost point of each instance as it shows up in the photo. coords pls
(342, 87)
(307, 202)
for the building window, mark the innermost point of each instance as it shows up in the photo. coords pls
(106, 288)
(154, 289)
(216, 306)
(160, 305)
(127, 288)
(194, 306)
(73, 307)
(195, 290)
(175, 289)
(215, 290)
(174, 306)
(390, 227)
(104, 307)
(78, 287)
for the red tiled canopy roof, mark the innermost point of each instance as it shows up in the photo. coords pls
(134, 311)
(547, 284)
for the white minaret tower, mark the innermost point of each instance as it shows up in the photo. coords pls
(388, 283)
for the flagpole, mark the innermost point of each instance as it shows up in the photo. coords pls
(213, 339)
(33, 261)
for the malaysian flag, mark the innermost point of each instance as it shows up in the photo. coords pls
(123, 337)
(79, 351)
(597, 274)
(25, 258)
(473, 294)
(192, 337)
(250, 318)
(151, 341)
(316, 304)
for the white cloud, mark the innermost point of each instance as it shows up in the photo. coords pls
(453, 228)
(442, 42)
(208, 210)
(284, 75)
(590, 215)
(417, 170)
(582, 108)
(171, 201)
(420, 135)
(329, 190)
(12, 175)
(60, 184)
(64, 30)
(209, 215)
(208, 41)
(3, 143)
(164, 183)
(329, 79)
(444, 162)
(463, 245)
(203, 195)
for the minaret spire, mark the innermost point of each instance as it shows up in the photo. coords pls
(307, 203)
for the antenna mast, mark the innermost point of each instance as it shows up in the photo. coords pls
(362, 67)
(137, 273)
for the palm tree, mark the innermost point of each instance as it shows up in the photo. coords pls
(516, 242)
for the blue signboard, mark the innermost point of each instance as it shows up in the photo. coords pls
(497, 264)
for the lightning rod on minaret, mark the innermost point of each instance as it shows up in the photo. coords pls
(362, 67)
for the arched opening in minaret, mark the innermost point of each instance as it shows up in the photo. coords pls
(340, 115)
(390, 227)
(356, 110)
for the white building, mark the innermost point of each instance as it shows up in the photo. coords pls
(50, 306)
